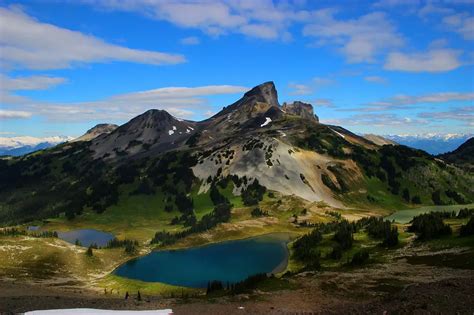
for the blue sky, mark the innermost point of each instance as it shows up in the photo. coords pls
(385, 67)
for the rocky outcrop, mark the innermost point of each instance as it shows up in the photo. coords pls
(304, 110)
(96, 131)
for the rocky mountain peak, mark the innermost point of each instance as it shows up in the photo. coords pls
(263, 93)
(301, 109)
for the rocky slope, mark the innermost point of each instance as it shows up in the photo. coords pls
(96, 131)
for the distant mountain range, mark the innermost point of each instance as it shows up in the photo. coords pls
(17, 146)
(432, 143)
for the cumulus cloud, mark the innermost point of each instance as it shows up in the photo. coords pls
(433, 60)
(28, 43)
(360, 39)
(259, 19)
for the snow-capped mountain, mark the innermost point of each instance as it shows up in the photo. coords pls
(17, 146)
(430, 142)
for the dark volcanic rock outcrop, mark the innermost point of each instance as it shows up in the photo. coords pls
(304, 110)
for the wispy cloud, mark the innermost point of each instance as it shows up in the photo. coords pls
(462, 23)
(376, 120)
(192, 40)
(29, 83)
(300, 89)
(310, 87)
(183, 102)
(463, 114)
(375, 79)
(323, 102)
(28, 43)
(14, 114)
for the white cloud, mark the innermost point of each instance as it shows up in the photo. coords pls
(323, 102)
(402, 101)
(462, 23)
(192, 40)
(375, 79)
(29, 83)
(433, 60)
(310, 87)
(14, 114)
(262, 19)
(28, 43)
(182, 102)
(300, 89)
(463, 114)
(359, 40)
(376, 120)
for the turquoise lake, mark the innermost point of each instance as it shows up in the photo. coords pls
(230, 261)
(86, 237)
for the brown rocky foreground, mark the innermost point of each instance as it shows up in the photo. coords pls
(393, 288)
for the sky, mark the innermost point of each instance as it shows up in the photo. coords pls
(383, 67)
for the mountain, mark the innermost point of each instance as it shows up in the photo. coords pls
(17, 146)
(431, 143)
(96, 131)
(252, 143)
(379, 140)
(463, 155)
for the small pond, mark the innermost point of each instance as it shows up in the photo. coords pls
(86, 237)
(230, 261)
(33, 228)
(405, 216)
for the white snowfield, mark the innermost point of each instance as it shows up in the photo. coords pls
(267, 121)
(87, 311)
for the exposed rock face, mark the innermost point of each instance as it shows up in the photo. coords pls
(96, 131)
(379, 140)
(301, 109)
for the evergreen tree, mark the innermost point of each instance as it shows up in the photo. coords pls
(89, 252)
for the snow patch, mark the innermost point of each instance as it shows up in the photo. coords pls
(174, 127)
(191, 128)
(87, 311)
(267, 121)
(339, 134)
(188, 131)
(170, 132)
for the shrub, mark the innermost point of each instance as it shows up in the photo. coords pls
(344, 234)
(305, 247)
(257, 212)
(360, 258)
(468, 228)
(429, 226)
(336, 252)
